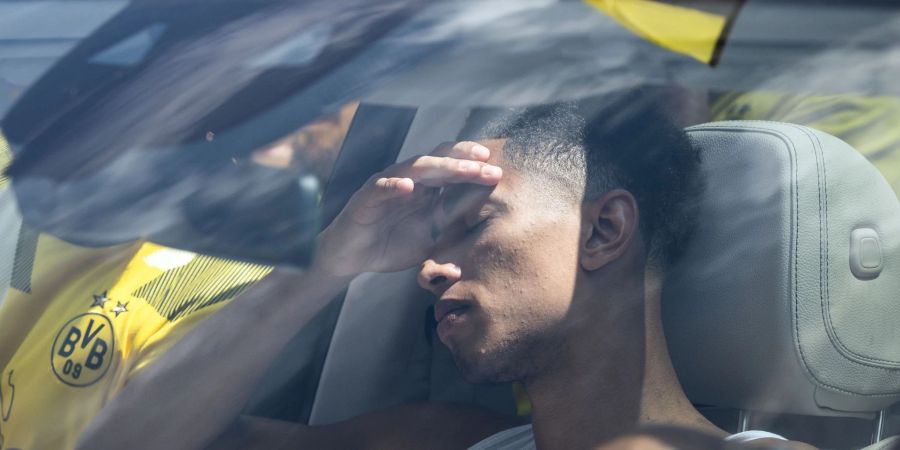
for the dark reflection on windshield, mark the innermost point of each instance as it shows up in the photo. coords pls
(312, 149)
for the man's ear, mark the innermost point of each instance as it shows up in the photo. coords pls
(609, 226)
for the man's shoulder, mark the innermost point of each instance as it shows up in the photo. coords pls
(433, 425)
(178, 283)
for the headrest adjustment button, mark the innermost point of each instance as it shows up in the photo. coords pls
(866, 260)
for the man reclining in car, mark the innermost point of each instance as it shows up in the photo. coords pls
(547, 264)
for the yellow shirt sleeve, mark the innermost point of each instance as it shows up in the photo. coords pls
(101, 316)
(183, 290)
(681, 29)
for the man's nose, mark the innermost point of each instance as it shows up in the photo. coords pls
(437, 277)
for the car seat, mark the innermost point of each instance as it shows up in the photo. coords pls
(786, 299)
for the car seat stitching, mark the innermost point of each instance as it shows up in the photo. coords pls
(796, 317)
(830, 327)
(749, 126)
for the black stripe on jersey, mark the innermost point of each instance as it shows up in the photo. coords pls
(730, 18)
(23, 264)
(729, 9)
(202, 282)
(725, 107)
(199, 303)
(820, 110)
(883, 152)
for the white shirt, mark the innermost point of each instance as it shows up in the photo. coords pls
(522, 438)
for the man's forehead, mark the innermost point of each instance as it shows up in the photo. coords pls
(495, 145)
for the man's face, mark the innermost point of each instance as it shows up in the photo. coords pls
(504, 272)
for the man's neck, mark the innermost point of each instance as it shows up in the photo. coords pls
(592, 389)
(615, 376)
(663, 400)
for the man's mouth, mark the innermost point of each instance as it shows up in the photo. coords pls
(450, 309)
(449, 314)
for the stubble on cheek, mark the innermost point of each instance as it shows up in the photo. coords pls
(509, 298)
(521, 292)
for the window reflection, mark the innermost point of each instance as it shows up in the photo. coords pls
(312, 148)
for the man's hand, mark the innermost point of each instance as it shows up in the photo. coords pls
(387, 225)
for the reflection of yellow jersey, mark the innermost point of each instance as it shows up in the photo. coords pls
(5, 158)
(78, 323)
(869, 124)
(696, 29)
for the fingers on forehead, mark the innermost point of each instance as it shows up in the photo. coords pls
(442, 167)
(437, 171)
(463, 149)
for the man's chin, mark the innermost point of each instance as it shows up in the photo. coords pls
(478, 376)
(483, 369)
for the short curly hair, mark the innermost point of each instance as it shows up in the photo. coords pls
(626, 140)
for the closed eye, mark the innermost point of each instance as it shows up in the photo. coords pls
(478, 222)
(476, 227)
